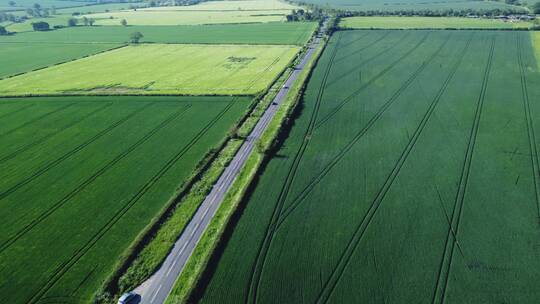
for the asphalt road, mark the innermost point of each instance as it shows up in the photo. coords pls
(156, 289)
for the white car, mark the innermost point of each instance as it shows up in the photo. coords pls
(129, 298)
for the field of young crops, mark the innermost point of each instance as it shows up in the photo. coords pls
(410, 176)
(160, 69)
(296, 33)
(211, 12)
(81, 177)
(414, 5)
(428, 22)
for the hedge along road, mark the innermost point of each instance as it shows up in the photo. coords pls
(158, 287)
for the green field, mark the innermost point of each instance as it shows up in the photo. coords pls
(18, 58)
(415, 5)
(160, 69)
(428, 22)
(211, 12)
(23, 4)
(410, 176)
(81, 177)
(261, 33)
(535, 36)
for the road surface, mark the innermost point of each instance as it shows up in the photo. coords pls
(156, 289)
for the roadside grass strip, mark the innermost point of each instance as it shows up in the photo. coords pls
(160, 69)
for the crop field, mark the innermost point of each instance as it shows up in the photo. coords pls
(22, 57)
(295, 33)
(535, 36)
(23, 4)
(428, 22)
(160, 69)
(410, 176)
(211, 12)
(414, 5)
(80, 177)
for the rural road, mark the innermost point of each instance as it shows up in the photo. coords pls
(156, 289)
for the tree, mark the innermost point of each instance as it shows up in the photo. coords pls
(11, 3)
(536, 8)
(30, 12)
(40, 26)
(91, 21)
(85, 21)
(72, 22)
(3, 31)
(135, 37)
(123, 22)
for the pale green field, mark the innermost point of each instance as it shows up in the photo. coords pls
(427, 22)
(160, 69)
(211, 12)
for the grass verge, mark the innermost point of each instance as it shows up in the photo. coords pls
(196, 265)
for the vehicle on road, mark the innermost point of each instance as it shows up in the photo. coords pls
(129, 298)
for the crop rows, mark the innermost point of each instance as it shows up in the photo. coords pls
(117, 169)
(416, 182)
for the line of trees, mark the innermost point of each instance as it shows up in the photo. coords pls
(301, 15)
(434, 13)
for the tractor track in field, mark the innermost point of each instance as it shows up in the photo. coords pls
(336, 159)
(257, 267)
(75, 150)
(367, 60)
(64, 267)
(368, 83)
(88, 181)
(441, 284)
(26, 124)
(530, 125)
(50, 135)
(16, 111)
(362, 227)
(380, 38)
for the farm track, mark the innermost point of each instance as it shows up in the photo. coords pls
(30, 122)
(367, 60)
(530, 125)
(65, 156)
(91, 179)
(457, 212)
(64, 268)
(367, 84)
(257, 268)
(311, 185)
(352, 245)
(50, 135)
(16, 111)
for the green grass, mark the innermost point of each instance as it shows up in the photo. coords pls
(23, 4)
(535, 36)
(160, 69)
(19, 58)
(77, 184)
(405, 139)
(428, 22)
(415, 5)
(261, 33)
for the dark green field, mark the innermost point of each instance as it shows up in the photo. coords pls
(81, 177)
(410, 176)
